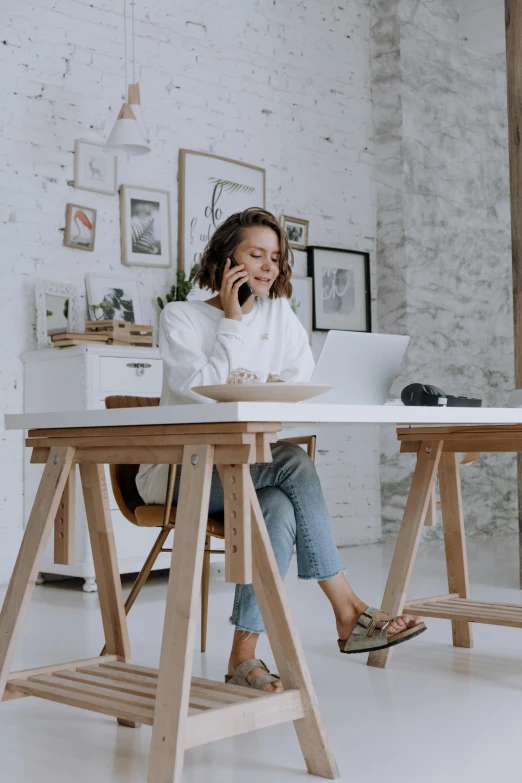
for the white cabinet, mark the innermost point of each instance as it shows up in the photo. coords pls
(80, 378)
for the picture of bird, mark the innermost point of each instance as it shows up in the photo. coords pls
(83, 225)
(80, 227)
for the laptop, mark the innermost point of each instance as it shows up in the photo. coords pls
(360, 366)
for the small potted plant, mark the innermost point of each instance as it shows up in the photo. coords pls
(181, 289)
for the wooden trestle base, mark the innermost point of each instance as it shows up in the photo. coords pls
(128, 692)
(183, 711)
(437, 450)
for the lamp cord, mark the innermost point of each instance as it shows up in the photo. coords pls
(125, 46)
(133, 40)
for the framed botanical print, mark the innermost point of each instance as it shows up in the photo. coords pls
(211, 189)
(145, 227)
(113, 298)
(341, 283)
(95, 167)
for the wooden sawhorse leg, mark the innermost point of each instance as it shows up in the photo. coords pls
(454, 541)
(144, 573)
(409, 536)
(21, 585)
(64, 523)
(287, 649)
(106, 565)
(177, 648)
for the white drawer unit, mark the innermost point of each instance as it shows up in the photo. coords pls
(141, 375)
(80, 378)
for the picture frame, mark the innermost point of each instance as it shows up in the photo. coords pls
(146, 235)
(57, 310)
(80, 227)
(341, 289)
(95, 167)
(121, 295)
(211, 188)
(301, 302)
(296, 231)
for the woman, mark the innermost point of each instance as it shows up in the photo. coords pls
(201, 343)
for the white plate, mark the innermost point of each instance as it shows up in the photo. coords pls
(262, 392)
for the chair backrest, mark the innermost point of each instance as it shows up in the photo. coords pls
(123, 477)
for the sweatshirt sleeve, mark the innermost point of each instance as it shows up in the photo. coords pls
(186, 365)
(298, 364)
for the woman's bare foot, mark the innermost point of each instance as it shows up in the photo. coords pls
(243, 649)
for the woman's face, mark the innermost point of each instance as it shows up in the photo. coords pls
(259, 252)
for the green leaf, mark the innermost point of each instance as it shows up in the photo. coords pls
(180, 292)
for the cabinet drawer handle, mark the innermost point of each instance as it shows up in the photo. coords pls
(139, 367)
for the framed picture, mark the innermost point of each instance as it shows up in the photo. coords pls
(296, 230)
(57, 310)
(341, 283)
(210, 190)
(95, 167)
(301, 302)
(80, 227)
(113, 298)
(145, 227)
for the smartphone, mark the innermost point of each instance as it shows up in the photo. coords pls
(245, 292)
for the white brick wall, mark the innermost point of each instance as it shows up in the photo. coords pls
(284, 85)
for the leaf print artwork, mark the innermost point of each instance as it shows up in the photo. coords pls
(143, 237)
(145, 227)
(114, 306)
(232, 187)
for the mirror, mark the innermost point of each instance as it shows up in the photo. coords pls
(56, 313)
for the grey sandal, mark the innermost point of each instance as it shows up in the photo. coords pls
(370, 633)
(244, 669)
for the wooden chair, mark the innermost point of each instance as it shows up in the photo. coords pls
(133, 508)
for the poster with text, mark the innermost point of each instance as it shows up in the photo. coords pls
(211, 189)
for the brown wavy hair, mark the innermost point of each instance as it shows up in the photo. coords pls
(229, 235)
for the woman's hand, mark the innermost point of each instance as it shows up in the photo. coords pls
(233, 279)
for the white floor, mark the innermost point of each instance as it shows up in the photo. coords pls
(437, 713)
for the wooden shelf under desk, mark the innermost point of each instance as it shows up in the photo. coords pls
(127, 691)
(451, 607)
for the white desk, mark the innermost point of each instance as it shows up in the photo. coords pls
(285, 413)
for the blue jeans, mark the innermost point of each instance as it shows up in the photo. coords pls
(295, 513)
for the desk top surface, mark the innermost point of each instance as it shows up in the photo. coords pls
(285, 413)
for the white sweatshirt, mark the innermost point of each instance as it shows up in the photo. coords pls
(200, 347)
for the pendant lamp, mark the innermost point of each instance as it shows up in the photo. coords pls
(135, 105)
(129, 135)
